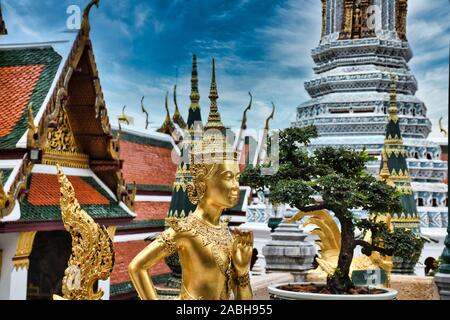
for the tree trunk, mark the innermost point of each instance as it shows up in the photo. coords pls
(340, 282)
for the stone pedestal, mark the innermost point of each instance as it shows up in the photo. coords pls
(288, 251)
(414, 287)
(443, 282)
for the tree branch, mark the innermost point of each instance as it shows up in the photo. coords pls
(367, 247)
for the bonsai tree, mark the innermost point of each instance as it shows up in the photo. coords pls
(334, 179)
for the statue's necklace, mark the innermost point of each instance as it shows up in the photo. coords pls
(220, 240)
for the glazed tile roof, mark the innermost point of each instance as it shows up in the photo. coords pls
(42, 202)
(44, 191)
(151, 223)
(26, 75)
(16, 86)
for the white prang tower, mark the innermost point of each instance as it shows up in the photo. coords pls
(363, 45)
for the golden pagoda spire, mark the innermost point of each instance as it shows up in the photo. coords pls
(214, 120)
(195, 95)
(393, 110)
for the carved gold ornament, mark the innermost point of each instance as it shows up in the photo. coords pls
(23, 250)
(330, 245)
(92, 257)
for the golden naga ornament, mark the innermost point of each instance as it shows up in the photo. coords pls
(92, 257)
(214, 260)
(330, 246)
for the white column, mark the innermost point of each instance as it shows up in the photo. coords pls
(13, 283)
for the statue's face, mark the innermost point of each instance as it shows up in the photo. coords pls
(223, 187)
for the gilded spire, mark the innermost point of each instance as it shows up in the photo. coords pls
(214, 120)
(3, 30)
(393, 110)
(177, 118)
(384, 172)
(195, 96)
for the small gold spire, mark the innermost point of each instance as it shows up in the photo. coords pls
(214, 120)
(195, 96)
(393, 110)
(384, 172)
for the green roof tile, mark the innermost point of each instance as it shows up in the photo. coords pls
(30, 212)
(147, 141)
(127, 287)
(5, 175)
(156, 223)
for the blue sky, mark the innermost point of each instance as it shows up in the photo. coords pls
(260, 46)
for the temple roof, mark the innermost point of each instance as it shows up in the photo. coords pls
(26, 76)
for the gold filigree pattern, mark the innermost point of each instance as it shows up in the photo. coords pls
(7, 199)
(219, 239)
(92, 255)
(167, 242)
(23, 250)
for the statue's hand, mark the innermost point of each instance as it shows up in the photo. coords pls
(242, 251)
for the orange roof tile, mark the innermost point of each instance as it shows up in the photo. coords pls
(16, 87)
(44, 191)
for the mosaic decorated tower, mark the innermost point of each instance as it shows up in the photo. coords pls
(362, 43)
(394, 160)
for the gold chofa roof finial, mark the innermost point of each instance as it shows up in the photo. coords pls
(85, 26)
(167, 127)
(3, 30)
(244, 117)
(266, 127)
(393, 110)
(177, 118)
(214, 120)
(92, 255)
(195, 95)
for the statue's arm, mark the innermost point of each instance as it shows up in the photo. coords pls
(243, 289)
(164, 245)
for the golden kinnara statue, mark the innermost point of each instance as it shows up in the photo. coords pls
(214, 261)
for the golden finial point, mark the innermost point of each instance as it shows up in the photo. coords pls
(244, 117)
(144, 111)
(85, 26)
(266, 127)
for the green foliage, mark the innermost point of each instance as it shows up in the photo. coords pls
(336, 176)
(403, 243)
